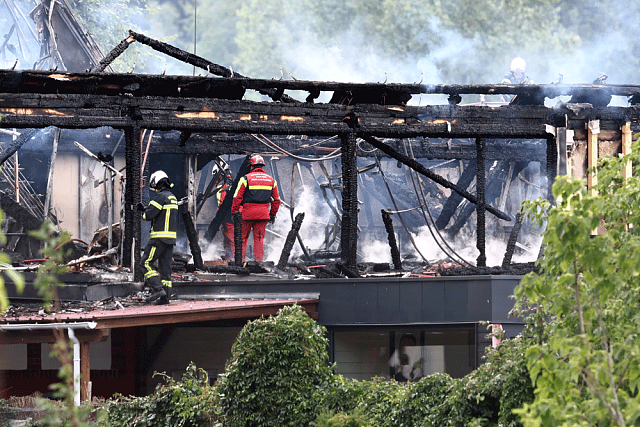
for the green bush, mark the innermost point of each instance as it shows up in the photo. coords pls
(190, 402)
(277, 372)
(340, 419)
(487, 395)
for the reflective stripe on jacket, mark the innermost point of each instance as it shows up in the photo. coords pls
(163, 214)
(255, 191)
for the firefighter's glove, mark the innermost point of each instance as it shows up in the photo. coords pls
(272, 219)
(140, 207)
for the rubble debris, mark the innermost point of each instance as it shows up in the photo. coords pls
(100, 241)
(347, 271)
(18, 212)
(516, 269)
(179, 261)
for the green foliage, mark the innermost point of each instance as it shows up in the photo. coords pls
(7, 270)
(277, 372)
(487, 395)
(484, 397)
(46, 281)
(190, 402)
(583, 306)
(340, 419)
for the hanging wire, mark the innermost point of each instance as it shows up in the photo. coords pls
(384, 178)
(265, 141)
(360, 140)
(430, 221)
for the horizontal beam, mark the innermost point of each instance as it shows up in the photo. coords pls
(232, 87)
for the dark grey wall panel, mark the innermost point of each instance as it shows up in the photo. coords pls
(502, 288)
(455, 301)
(366, 304)
(479, 302)
(410, 298)
(433, 308)
(388, 302)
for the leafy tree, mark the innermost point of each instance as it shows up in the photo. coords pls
(277, 372)
(583, 304)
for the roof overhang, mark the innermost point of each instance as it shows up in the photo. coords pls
(37, 328)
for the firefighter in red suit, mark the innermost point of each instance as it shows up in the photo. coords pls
(257, 198)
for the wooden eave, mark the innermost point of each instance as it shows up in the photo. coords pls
(150, 315)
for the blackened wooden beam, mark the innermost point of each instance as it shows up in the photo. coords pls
(290, 240)
(192, 237)
(349, 232)
(132, 218)
(10, 81)
(198, 61)
(224, 210)
(450, 206)
(14, 146)
(413, 164)
(111, 56)
(237, 238)
(395, 253)
(513, 238)
(552, 166)
(480, 188)
(18, 212)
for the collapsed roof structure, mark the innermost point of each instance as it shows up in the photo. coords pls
(463, 162)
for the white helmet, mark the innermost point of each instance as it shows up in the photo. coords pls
(518, 64)
(156, 177)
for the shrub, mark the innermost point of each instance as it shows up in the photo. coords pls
(340, 419)
(190, 402)
(277, 372)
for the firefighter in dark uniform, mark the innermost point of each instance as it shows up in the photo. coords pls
(517, 76)
(227, 223)
(163, 214)
(257, 198)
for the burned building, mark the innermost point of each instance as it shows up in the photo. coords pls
(369, 165)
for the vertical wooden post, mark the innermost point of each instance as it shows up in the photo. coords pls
(593, 129)
(626, 149)
(349, 237)
(85, 370)
(131, 249)
(480, 189)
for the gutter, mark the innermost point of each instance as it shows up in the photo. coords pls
(72, 336)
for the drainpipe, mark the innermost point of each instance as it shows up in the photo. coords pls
(76, 366)
(72, 336)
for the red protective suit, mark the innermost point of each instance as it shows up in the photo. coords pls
(257, 198)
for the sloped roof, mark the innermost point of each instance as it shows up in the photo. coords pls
(147, 315)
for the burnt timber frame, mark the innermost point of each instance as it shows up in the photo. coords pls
(132, 102)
